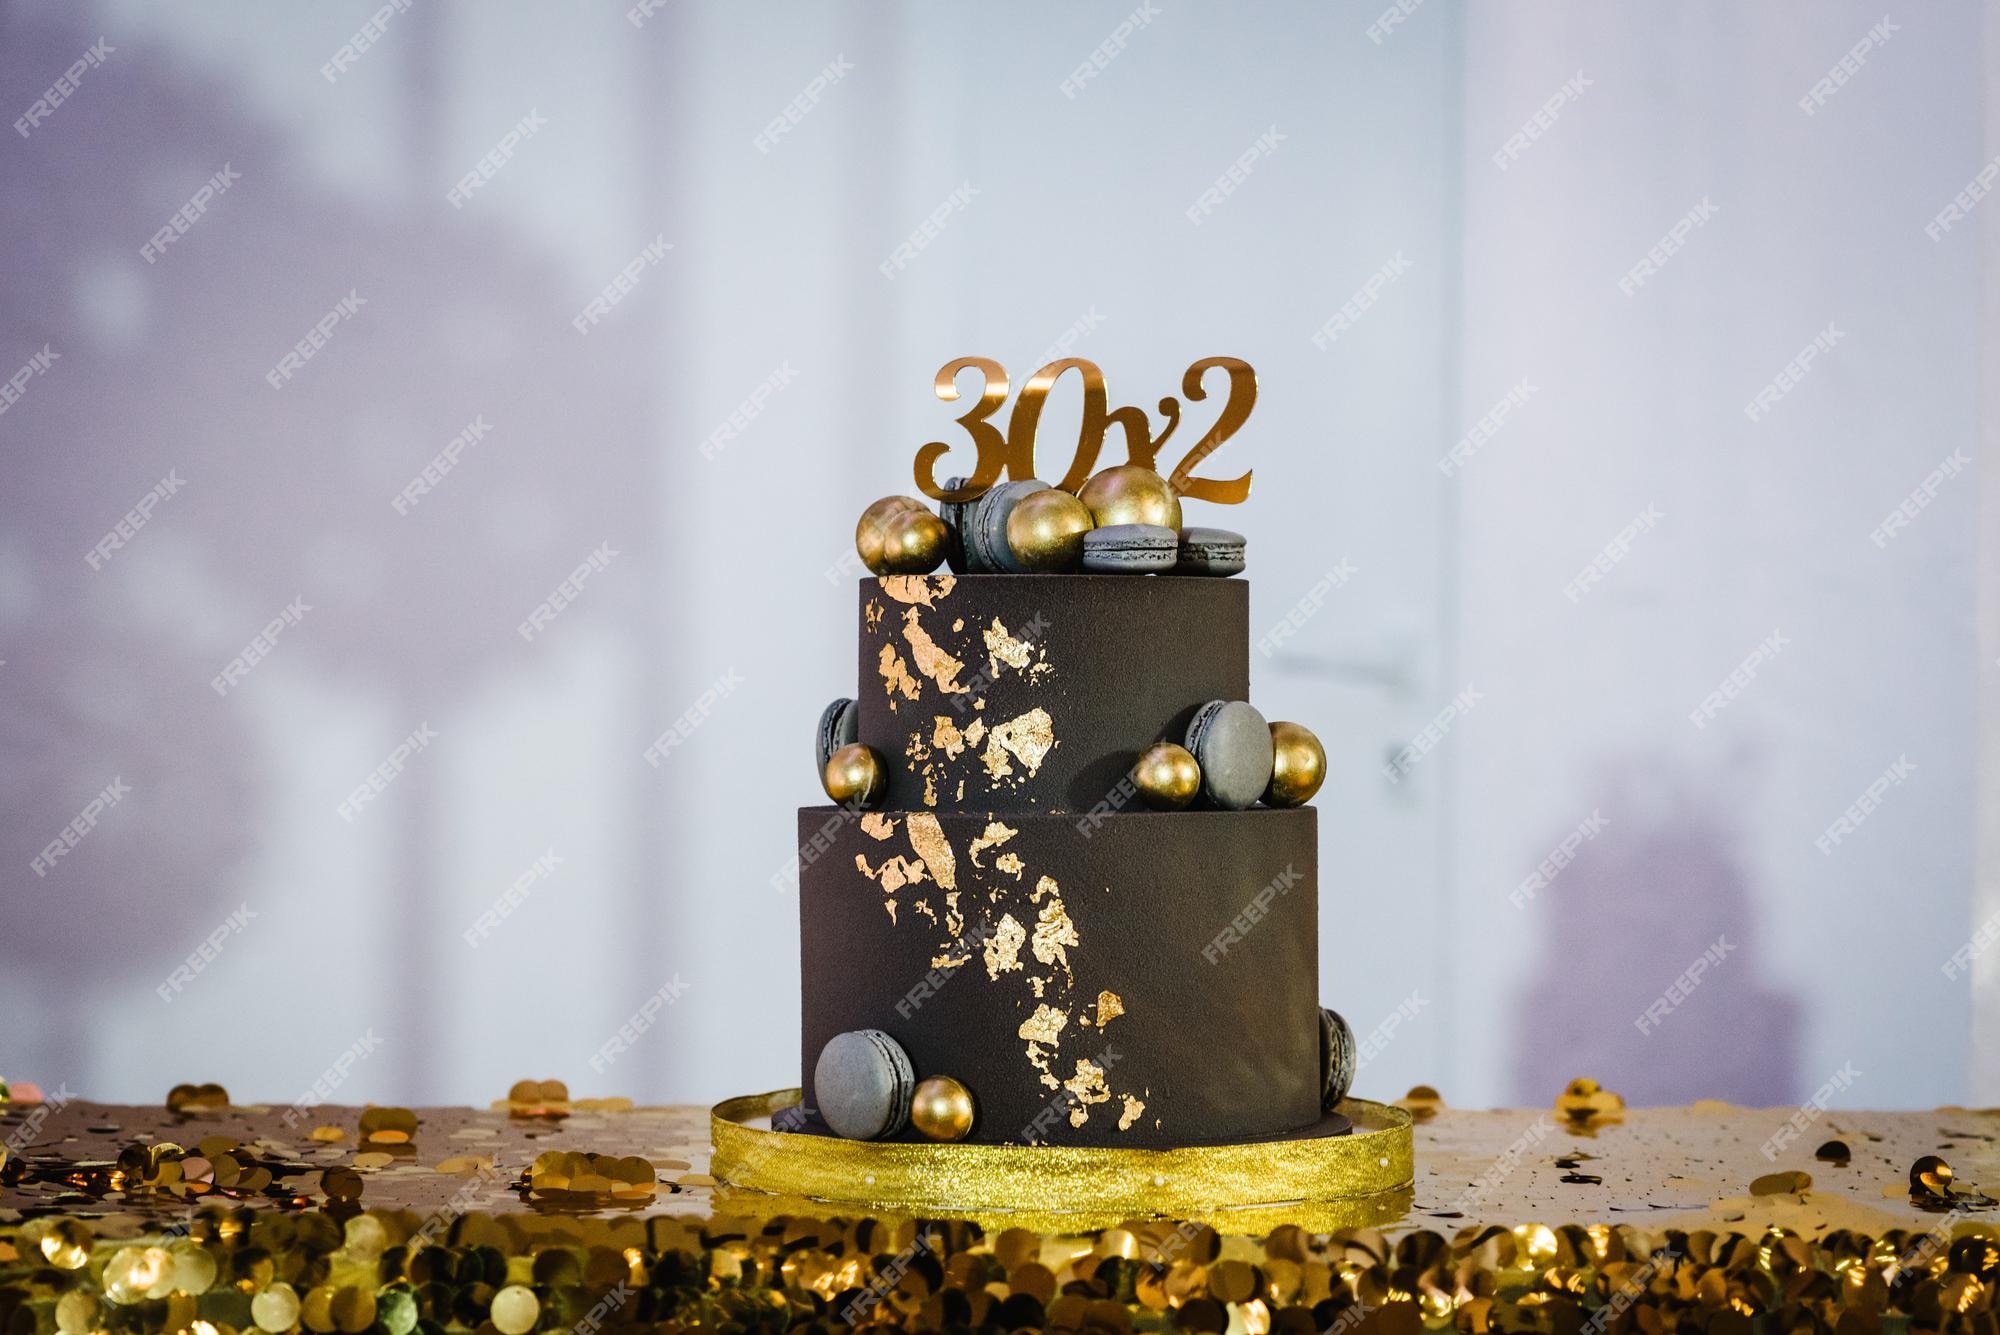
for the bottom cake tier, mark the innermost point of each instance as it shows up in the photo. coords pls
(1143, 979)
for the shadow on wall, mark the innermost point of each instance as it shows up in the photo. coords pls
(1650, 980)
(283, 493)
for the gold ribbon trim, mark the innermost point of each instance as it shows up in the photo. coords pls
(1360, 1178)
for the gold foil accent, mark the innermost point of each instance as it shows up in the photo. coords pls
(946, 737)
(1004, 648)
(1109, 1005)
(878, 825)
(1028, 738)
(932, 661)
(976, 732)
(896, 676)
(958, 625)
(1053, 928)
(919, 590)
(1011, 864)
(927, 838)
(948, 960)
(996, 835)
(1087, 1088)
(871, 615)
(1133, 1110)
(893, 874)
(1045, 1026)
(1003, 947)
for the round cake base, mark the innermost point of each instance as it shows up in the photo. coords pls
(1326, 1177)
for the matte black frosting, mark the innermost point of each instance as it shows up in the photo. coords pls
(1037, 692)
(1201, 926)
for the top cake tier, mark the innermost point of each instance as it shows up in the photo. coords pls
(1038, 692)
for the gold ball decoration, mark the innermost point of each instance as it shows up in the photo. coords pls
(1045, 530)
(1168, 776)
(871, 535)
(1298, 767)
(941, 1108)
(855, 774)
(913, 543)
(1129, 494)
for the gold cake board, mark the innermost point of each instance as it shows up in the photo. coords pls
(1359, 1179)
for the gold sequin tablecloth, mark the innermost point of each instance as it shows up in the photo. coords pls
(587, 1216)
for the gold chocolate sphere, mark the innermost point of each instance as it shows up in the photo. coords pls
(941, 1108)
(1129, 494)
(1298, 766)
(1168, 776)
(1045, 530)
(913, 542)
(855, 773)
(870, 534)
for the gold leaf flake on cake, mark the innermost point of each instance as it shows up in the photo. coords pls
(1109, 1005)
(1004, 648)
(958, 625)
(876, 825)
(954, 921)
(932, 661)
(1011, 864)
(996, 834)
(946, 737)
(896, 676)
(1053, 931)
(948, 960)
(1028, 738)
(893, 874)
(1038, 984)
(1003, 947)
(1018, 653)
(976, 732)
(871, 615)
(1044, 1029)
(919, 590)
(923, 906)
(1087, 1087)
(1134, 1109)
(927, 838)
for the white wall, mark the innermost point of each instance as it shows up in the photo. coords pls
(1080, 215)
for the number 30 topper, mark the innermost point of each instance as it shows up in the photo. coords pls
(1014, 452)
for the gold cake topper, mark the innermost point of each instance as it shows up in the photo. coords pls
(1013, 452)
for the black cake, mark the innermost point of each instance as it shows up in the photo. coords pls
(1013, 916)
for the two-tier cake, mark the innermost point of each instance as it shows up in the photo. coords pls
(1059, 928)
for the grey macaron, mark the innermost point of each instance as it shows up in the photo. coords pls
(1130, 549)
(953, 513)
(985, 532)
(839, 725)
(863, 1084)
(1210, 551)
(1232, 743)
(1336, 1058)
